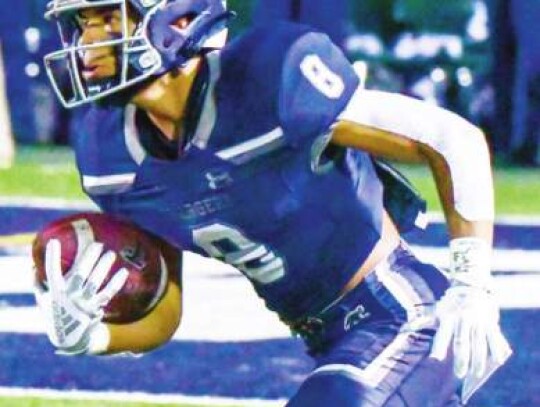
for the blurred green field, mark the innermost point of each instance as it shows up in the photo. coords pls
(42, 172)
(50, 172)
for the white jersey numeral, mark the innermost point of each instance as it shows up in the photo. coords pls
(255, 260)
(321, 76)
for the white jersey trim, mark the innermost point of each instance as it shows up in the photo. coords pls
(373, 374)
(460, 143)
(251, 148)
(108, 183)
(407, 296)
(131, 135)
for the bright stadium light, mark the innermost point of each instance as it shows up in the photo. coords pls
(464, 76)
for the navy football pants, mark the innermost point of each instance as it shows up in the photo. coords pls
(370, 355)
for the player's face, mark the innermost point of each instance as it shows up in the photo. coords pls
(98, 25)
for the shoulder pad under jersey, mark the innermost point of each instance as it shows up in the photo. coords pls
(247, 91)
(317, 81)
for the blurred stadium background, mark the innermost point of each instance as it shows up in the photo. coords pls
(476, 57)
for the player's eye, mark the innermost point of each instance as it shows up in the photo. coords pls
(110, 18)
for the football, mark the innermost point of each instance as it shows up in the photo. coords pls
(137, 251)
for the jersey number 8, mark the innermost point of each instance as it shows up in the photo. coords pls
(321, 76)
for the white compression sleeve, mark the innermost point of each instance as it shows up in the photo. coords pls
(460, 143)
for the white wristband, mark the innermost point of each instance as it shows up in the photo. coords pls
(470, 261)
(100, 338)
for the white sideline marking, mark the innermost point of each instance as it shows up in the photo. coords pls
(219, 305)
(514, 292)
(522, 261)
(511, 220)
(48, 203)
(518, 220)
(135, 397)
(16, 275)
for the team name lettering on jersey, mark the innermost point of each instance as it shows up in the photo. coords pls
(204, 207)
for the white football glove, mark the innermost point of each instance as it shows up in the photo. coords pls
(72, 306)
(468, 314)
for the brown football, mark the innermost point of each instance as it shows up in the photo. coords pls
(138, 251)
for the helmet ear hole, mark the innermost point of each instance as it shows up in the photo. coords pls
(184, 21)
(181, 29)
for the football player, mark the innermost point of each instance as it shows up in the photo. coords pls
(264, 153)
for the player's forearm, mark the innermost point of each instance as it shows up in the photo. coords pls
(458, 225)
(150, 332)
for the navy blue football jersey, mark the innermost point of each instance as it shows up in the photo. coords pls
(253, 183)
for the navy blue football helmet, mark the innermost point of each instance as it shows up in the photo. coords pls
(154, 45)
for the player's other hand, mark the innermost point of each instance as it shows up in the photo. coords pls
(72, 305)
(469, 322)
(468, 315)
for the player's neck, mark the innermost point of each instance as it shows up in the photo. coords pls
(165, 99)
